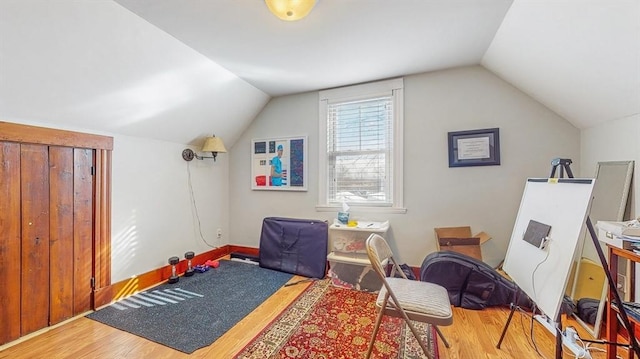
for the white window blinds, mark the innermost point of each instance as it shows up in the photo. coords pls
(361, 139)
(360, 151)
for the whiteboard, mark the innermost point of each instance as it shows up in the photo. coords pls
(543, 273)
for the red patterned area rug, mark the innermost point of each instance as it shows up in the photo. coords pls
(328, 322)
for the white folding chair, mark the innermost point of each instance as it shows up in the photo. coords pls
(405, 298)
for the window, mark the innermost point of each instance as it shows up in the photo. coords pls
(361, 146)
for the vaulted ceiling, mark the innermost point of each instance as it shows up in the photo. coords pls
(180, 70)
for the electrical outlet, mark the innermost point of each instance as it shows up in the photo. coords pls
(219, 232)
(622, 283)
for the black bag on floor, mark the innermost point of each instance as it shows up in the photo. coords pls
(297, 246)
(471, 283)
(587, 309)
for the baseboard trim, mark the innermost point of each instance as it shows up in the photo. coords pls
(106, 295)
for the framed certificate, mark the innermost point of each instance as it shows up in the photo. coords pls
(474, 148)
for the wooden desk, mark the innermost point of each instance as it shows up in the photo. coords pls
(613, 324)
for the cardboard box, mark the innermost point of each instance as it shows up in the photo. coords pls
(459, 239)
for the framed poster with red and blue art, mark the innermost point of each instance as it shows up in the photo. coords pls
(279, 163)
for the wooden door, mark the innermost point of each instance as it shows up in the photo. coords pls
(83, 219)
(47, 250)
(61, 242)
(72, 215)
(9, 241)
(54, 225)
(66, 197)
(35, 261)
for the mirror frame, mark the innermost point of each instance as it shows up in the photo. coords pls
(624, 196)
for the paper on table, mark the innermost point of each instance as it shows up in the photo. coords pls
(370, 225)
(364, 225)
(630, 229)
(630, 238)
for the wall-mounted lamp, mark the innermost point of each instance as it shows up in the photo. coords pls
(290, 10)
(211, 144)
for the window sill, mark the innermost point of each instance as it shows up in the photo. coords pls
(362, 209)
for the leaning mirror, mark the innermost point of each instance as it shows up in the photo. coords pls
(588, 287)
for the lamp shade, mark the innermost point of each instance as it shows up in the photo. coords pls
(290, 10)
(213, 144)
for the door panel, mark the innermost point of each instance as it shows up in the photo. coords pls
(61, 241)
(52, 210)
(10, 241)
(83, 229)
(34, 178)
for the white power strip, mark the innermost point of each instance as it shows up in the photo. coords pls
(569, 337)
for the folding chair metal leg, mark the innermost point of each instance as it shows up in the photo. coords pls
(411, 326)
(376, 328)
(444, 340)
(434, 306)
(418, 338)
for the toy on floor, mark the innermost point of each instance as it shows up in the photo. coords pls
(213, 264)
(200, 268)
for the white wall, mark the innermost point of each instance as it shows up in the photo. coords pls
(486, 198)
(615, 140)
(153, 215)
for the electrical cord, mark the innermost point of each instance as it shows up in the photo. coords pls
(578, 341)
(533, 274)
(584, 347)
(522, 314)
(595, 349)
(530, 337)
(588, 347)
(531, 333)
(195, 207)
(535, 296)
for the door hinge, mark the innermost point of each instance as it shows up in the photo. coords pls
(93, 282)
(93, 171)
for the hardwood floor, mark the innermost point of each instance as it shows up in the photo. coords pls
(474, 334)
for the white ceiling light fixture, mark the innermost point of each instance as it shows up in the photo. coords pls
(290, 10)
